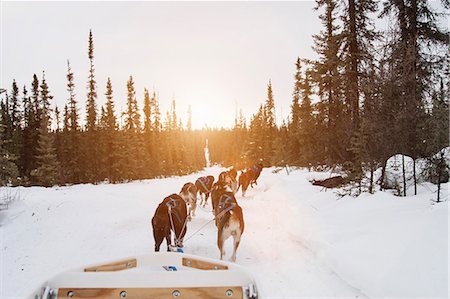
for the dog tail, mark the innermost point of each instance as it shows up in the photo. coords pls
(237, 210)
(224, 221)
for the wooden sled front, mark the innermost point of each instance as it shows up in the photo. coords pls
(158, 275)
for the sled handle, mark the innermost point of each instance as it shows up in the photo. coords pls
(202, 265)
(131, 293)
(116, 266)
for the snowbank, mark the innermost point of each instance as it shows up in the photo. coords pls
(394, 171)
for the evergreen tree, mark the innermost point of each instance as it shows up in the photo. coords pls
(91, 105)
(269, 127)
(306, 130)
(156, 121)
(438, 169)
(73, 110)
(66, 120)
(15, 113)
(147, 112)
(70, 154)
(111, 119)
(358, 39)
(47, 171)
(32, 113)
(133, 155)
(8, 168)
(57, 119)
(28, 120)
(189, 120)
(35, 100)
(45, 99)
(294, 124)
(14, 127)
(255, 141)
(327, 77)
(112, 158)
(132, 115)
(90, 155)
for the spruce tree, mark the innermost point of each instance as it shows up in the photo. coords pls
(8, 168)
(358, 47)
(293, 151)
(45, 99)
(131, 123)
(133, 153)
(111, 119)
(71, 153)
(156, 148)
(91, 105)
(15, 127)
(113, 158)
(28, 121)
(14, 106)
(90, 154)
(73, 110)
(306, 130)
(147, 112)
(47, 171)
(255, 141)
(269, 127)
(156, 121)
(31, 130)
(189, 120)
(327, 77)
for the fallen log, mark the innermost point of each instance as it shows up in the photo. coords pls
(332, 182)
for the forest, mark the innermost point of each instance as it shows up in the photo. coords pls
(371, 94)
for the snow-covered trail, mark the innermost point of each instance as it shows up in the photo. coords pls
(272, 246)
(299, 242)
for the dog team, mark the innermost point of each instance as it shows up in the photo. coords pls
(176, 210)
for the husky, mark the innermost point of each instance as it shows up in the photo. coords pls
(189, 194)
(170, 216)
(229, 218)
(204, 187)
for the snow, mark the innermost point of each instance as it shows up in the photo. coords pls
(300, 241)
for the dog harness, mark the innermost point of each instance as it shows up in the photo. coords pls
(171, 205)
(204, 180)
(226, 202)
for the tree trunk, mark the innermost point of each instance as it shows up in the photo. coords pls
(415, 178)
(404, 175)
(371, 180)
(383, 173)
(353, 49)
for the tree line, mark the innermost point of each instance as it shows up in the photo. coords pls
(369, 95)
(42, 145)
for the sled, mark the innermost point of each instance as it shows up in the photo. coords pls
(158, 275)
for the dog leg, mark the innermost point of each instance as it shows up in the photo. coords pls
(220, 242)
(203, 197)
(158, 240)
(168, 238)
(236, 241)
(194, 206)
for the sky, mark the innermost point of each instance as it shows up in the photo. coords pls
(215, 56)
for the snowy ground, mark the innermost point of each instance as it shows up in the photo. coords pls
(299, 240)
